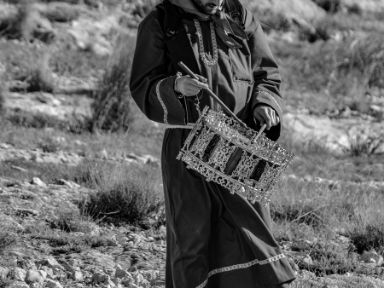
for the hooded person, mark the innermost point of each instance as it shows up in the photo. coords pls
(215, 239)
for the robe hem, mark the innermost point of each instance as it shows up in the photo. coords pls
(240, 266)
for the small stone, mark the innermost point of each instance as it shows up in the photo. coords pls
(372, 257)
(127, 281)
(77, 276)
(103, 154)
(43, 274)
(27, 212)
(33, 276)
(100, 278)
(308, 260)
(4, 273)
(18, 274)
(53, 284)
(18, 284)
(37, 181)
(51, 262)
(120, 273)
(67, 183)
(48, 270)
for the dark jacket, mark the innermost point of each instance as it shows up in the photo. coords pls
(251, 77)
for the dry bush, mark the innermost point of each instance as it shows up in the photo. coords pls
(327, 259)
(61, 12)
(367, 238)
(3, 88)
(40, 77)
(72, 62)
(7, 239)
(270, 20)
(72, 221)
(342, 71)
(41, 121)
(125, 194)
(27, 24)
(331, 6)
(360, 146)
(111, 109)
(28, 64)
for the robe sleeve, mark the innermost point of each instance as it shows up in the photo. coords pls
(265, 70)
(151, 87)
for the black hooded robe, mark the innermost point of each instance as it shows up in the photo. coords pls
(214, 239)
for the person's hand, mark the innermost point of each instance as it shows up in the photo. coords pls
(189, 86)
(264, 114)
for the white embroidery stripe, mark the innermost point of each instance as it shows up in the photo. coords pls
(270, 97)
(240, 266)
(178, 126)
(165, 120)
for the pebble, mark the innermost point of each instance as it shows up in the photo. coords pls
(18, 284)
(77, 276)
(120, 273)
(34, 276)
(99, 277)
(53, 284)
(67, 183)
(51, 262)
(43, 274)
(37, 181)
(127, 281)
(3, 273)
(18, 274)
(372, 257)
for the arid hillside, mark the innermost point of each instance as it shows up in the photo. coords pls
(81, 201)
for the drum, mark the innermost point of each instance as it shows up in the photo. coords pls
(234, 156)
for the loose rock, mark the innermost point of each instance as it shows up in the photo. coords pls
(34, 276)
(120, 273)
(37, 181)
(18, 274)
(53, 284)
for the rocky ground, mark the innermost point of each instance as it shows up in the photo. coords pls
(327, 209)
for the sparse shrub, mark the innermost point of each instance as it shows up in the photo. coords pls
(369, 145)
(111, 109)
(6, 239)
(270, 20)
(71, 62)
(40, 77)
(368, 238)
(61, 12)
(27, 24)
(348, 68)
(125, 194)
(299, 213)
(331, 6)
(2, 88)
(355, 9)
(49, 145)
(72, 221)
(41, 121)
(329, 259)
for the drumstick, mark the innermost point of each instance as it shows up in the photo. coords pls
(210, 92)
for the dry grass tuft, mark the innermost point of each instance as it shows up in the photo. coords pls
(7, 239)
(366, 238)
(41, 121)
(111, 109)
(40, 77)
(124, 193)
(3, 88)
